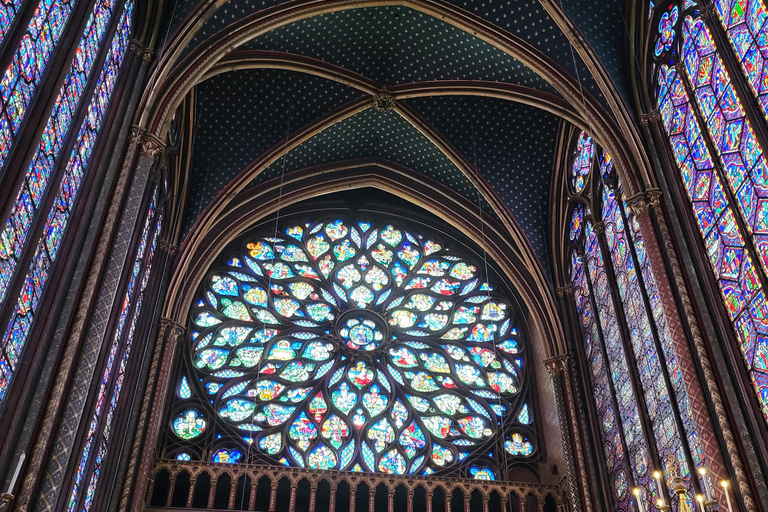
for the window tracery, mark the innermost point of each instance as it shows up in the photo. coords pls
(622, 325)
(358, 346)
(721, 164)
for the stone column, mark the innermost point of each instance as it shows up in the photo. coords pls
(252, 497)
(332, 498)
(212, 492)
(171, 488)
(352, 498)
(522, 504)
(558, 371)
(232, 493)
(191, 493)
(273, 497)
(467, 497)
(710, 380)
(429, 501)
(312, 497)
(410, 501)
(292, 500)
(390, 501)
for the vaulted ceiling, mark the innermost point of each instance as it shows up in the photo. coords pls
(311, 77)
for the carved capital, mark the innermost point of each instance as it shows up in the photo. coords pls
(136, 133)
(638, 204)
(175, 330)
(652, 117)
(151, 145)
(564, 290)
(142, 51)
(556, 365)
(598, 228)
(654, 197)
(383, 101)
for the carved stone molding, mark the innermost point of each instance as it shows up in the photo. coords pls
(142, 51)
(384, 101)
(598, 228)
(564, 290)
(556, 365)
(652, 117)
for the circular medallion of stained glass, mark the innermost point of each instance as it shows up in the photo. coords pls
(353, 346)
(361, 330)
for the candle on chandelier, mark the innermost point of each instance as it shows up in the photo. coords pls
(657, 477)
(707, 488)
(636, 492)
(16, 473)
(700, 500)
(724, 484)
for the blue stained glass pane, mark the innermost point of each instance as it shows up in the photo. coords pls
(58, 217)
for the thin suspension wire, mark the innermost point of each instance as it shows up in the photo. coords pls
(284, 158)
(487, 288)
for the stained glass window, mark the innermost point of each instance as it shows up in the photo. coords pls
(612, 356)
(8, 10)
(358, 346)
(48, 152)
(728, 190)
(119, 352)
(745, 25)
(28, 65)
(47, 248)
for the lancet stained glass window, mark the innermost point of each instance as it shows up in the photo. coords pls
(8, 10)
(359, 346)
(605, 348)
(120, 351)
(48, 152)
(28, 65)
(15, 336)
(728, 190)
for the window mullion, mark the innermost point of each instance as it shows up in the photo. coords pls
(614, 400)
(683, 433)
(718, 168)
(637, 387)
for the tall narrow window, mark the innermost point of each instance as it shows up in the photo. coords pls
(48, 153)
(8, 10)
(100, 429)
(354, 345)
(47, 248)
(20, 80)
(746, 25)
(622, 326)
(723, 171)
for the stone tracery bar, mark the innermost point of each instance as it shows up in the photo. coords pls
(245, 478)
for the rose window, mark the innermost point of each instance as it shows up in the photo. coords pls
(353, 346)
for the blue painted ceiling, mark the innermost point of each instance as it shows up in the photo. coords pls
(242, 114)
